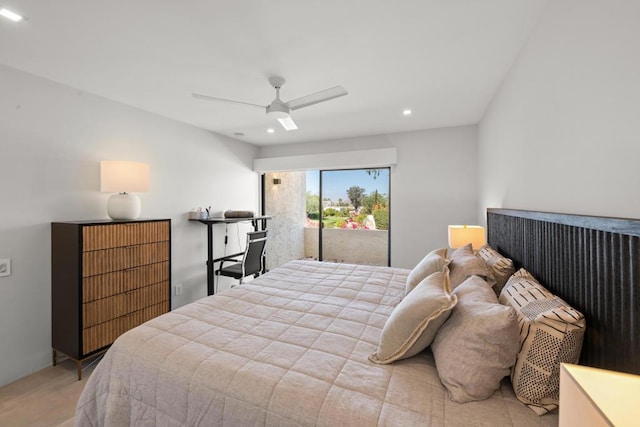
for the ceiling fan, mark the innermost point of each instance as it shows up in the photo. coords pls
(281, 110)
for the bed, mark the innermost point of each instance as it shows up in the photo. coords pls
(292, 348)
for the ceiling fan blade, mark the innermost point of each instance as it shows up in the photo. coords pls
(315, 98)
(288, 123)
(212, 98)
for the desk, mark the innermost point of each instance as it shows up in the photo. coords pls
(258, 222)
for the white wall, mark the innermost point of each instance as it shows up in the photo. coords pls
(434, 184)
(52, 139)
(563, 132)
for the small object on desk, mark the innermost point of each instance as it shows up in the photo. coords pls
(238, 214)
(200, 213)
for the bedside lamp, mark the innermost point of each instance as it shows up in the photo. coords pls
(460, 235)
(122, 177)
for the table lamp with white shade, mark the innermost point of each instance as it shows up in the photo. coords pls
(123, 177)
(461, 235)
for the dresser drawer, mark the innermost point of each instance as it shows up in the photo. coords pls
(108, 260)
(102, 310)
(117, 282)
(97, 237)
(104, 334)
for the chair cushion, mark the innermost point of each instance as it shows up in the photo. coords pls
(233, 270)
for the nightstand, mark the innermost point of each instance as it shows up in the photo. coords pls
(597, 397)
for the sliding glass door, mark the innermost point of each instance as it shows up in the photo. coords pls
(348, 215)
(352, 205)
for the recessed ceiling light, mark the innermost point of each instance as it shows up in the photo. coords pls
(11, 15)
(406, 112)
(270, 130)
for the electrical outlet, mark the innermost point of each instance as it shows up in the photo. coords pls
(5, 267)
(178, 289)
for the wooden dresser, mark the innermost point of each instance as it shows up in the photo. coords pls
(106, 278)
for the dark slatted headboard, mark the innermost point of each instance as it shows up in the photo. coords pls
(593, 263)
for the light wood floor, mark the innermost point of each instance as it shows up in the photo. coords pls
(45, 398)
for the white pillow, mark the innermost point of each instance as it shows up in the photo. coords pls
(434, 261)
(415, 321)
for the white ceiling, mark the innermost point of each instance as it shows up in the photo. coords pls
(444, 59)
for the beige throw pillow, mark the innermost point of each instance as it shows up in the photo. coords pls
(415, 321)
(477, 346)
(464, 263)
(501, 267)
(434, 261)
(551, 332)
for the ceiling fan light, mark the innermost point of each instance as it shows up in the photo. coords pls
(277, 110)
(287, 123)
(278, 114)
(11, 15)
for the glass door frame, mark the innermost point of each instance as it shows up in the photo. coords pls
(320, 213)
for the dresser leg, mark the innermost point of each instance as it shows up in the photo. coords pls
(55, 357)
(79, 369)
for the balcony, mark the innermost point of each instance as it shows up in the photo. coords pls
(349, 246)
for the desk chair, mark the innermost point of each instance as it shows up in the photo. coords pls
(251, 262)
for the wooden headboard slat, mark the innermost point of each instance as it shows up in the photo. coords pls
(593, 263)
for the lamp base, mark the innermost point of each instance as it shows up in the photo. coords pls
(124, 206)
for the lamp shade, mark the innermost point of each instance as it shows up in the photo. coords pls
(123, 177)
(461, 235)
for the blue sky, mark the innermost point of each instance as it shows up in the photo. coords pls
(335, 183)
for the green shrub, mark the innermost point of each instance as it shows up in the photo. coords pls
(331, 222)
(382, 219)
(329, 212)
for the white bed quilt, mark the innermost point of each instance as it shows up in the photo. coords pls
(289, 348)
